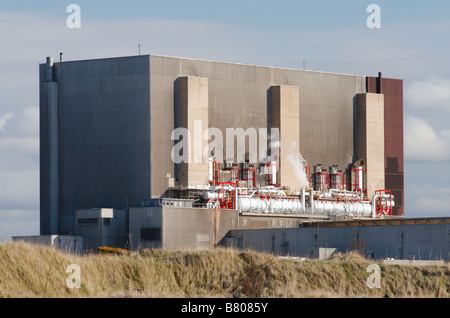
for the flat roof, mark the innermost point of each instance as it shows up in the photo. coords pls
(378, 222)
(212, 61)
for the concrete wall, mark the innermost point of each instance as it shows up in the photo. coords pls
(239, 97)
(371, 140)
(285, 116)
(180, 228)
(183, 231)
(69, 244)
(102, 227)
(145, 227)
(261, 221)
(191, 112)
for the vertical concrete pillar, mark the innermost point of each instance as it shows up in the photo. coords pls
(370, 145)
(49, 185)
(285, 102)
(192, 113)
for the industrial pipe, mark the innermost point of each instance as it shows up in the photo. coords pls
(303, 199)
(389, 197)
(270, 205)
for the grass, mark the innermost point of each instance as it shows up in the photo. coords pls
(28, 270)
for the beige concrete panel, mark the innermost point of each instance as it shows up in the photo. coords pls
(193, 105)
(196, 228)
(263, 75)
(311, 96)
(285, 116)
(141, 218)
(284, 77)
(165, 83)
(371, 139)
(333, 109)
(156, 64)
(159, 185)
(195, 68)
(170, 65)
(187, 230)
(224, 221)
(222, 72)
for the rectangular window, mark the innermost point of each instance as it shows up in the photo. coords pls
(87, 221)
(151, 234)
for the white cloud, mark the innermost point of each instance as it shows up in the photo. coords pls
(4, 119)
(19, 141)
(432, 93)
(427, 200)
(27, 122)
(424, 143)
(18, 222)
(19, 173)
(19, 189)
(28, 145)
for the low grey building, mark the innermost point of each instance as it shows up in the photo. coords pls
(179, 228)
(69, 244)
(169, 224)
(419, 239)
(102, 227)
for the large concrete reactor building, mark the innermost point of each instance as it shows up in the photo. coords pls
(107, 138)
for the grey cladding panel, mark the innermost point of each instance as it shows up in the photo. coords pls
(104, 133)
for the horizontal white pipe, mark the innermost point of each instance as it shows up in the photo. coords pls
(357, 208)
(270, 205)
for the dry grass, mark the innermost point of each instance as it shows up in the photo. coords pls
(36, 271)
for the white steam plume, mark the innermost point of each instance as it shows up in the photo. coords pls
(298, 162)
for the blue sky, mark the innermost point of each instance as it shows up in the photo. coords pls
(280, 14)
(412, 44)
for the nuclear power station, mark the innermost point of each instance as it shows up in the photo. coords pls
(156, 151)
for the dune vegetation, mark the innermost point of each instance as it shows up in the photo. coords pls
(34, 271)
